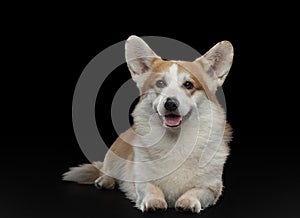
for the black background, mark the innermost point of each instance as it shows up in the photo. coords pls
(45, 52)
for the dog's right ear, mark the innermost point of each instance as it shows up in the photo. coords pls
(139, 57)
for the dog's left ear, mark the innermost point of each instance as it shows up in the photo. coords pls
(217, 62)
(139, 57)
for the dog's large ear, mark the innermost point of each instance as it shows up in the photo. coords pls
(217, 62)
(139, 57)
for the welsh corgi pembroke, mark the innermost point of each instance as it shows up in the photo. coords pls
(174, 153)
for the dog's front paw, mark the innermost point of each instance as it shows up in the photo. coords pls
(106, 182)
(153, 204)
(188, 205)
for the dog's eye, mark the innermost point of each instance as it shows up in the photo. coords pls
(188, 85)
(161, 84)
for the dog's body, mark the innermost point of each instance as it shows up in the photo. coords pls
(175, 152)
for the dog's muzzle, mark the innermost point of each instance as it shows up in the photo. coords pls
(171, 117)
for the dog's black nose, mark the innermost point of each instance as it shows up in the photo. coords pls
(171, 104)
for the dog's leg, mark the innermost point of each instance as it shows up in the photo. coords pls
(195, 199)
(150, 198)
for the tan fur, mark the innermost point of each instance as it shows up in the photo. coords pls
(159, 65)
(122, 148)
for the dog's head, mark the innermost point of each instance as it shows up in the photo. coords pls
(174, 89)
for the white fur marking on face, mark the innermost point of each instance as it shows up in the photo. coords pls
(173, 72)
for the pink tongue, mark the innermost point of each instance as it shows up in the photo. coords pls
(172, 120)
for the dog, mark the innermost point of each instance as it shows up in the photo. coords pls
(174, 153)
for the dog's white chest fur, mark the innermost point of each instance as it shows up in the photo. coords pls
(174, 163)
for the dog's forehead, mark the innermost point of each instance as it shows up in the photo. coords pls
(158, 65)
(180, 71)
(172, 74)
(177, 68)
(192, 68)
(184, 70)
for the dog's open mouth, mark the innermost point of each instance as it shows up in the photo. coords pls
(172, 120)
